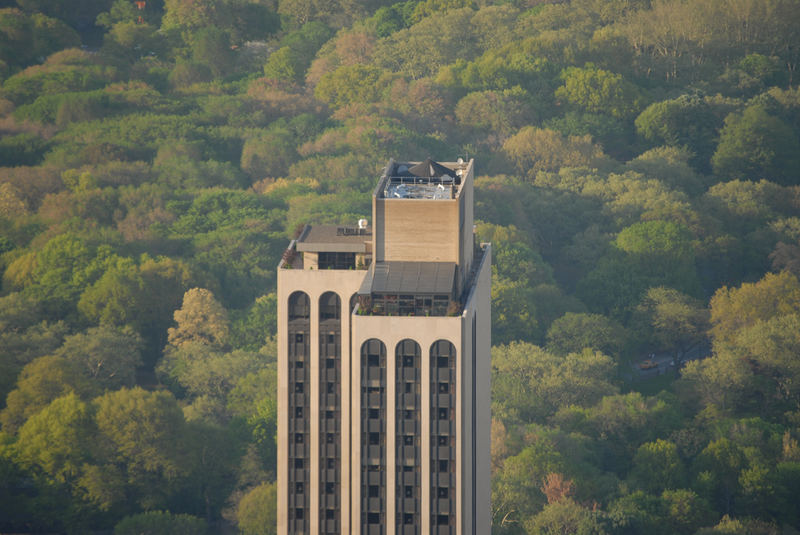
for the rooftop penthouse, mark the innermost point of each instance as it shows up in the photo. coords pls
(418, 254)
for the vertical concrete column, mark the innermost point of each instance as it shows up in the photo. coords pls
(346, 400)
(391, 434)
(459, 432)
(425, 432)
(355, 437)
(283, 407)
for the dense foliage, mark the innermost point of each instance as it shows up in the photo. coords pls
(639, 177)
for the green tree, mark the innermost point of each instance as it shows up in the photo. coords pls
(530, 384)
(40, 382)
(111, 300)
(351, 84)
(140, 449)
(496, 113)
(513, 312)
(688, 121)
(533, 149)
(58, 440)
(657, 466)
(755, 145)
(574, 332)
(269, 154)
(718, 468)
(623, 422)
(679, 322)
(251, 328)
(661, 251)
(565, 516)
(733, 309)
(600, 91)
(256, 513)
(201, 319)
(161, 523)
(685, 510)
(735, 526)
(211, 46)
(107, 356)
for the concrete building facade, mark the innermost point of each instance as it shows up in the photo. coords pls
(384, 336)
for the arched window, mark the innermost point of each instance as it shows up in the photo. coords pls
(373, 437)
(330, 412)
(330, 307)
(298, 338)
(299, 306)
(443, 436)
(407, 432)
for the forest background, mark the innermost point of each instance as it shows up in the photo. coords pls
(638, 170)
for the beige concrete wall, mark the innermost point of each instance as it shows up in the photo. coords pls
(314, 283)
(310, 260)
(466, 235)
(391, 330)
(416, 230)
(481, 302)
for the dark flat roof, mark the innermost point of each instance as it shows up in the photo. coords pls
(410, 278)
(334, 239)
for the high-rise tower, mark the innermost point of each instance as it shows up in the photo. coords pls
(384, 336)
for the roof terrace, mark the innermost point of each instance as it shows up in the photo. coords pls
(422, 180)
